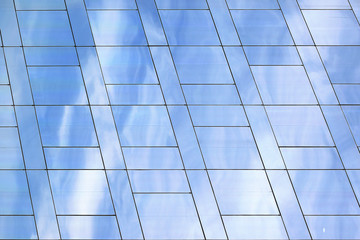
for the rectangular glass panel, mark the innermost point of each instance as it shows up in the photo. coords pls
(17, 227)
(81, 192)
(83, 227)
(73, 158)
(135, 94)
(218, 116)
(161, 181)
(152, 158)
(47, 56)
(243, 192)
(168, 216)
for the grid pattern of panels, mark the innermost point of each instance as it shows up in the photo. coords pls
(190, 119)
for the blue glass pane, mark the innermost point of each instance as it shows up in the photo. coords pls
(17, 227)
(143, 126)
(88, 227)
(333, 27)
(14, 194)
(117, 28)
(299, 126)
(127, 65)
(152, 158)
(47, 56)
(261, 27)
(348, 93)
(57, 85)
(243, 192)
(40, 5)
(7, 116)
(81, 192)
(334, 227)
(73, 158)
(324, 192)
(324, 4)
(3, 71)
(135, 94)
(254, 4)
(283, 85)
(189, 27)
(52, 28)
(160, 181)
(342, 63)
(66, 126)
(184, 4)
(110, 4)
(211, 94)
(174, 212)
(272, 55)
(218, 116)
(10, 150)
(255, 227)
(311, 158)
(201, 65)
(353, 117)
(228, 148)
(5, 95)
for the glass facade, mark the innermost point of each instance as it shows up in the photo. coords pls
(179, 119)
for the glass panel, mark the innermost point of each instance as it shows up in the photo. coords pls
(333, 27)
(348, 94)
(201, 65)
(324, 4)
(81, 192)
(66, 126)
(324, 192)
(261, 27)
(283, 85)
(228, 148)
(40, 5)
(16, 227)
(127, 65)
(311, 158)
(269, 227)
(10, 150)
(73, 158)
(218, 116)
(52, 28)
(334, 227)
(88, 227)
(211, 94)
(299, 126)
(47, 56)
(189, 27)
(184, 4)
(14, 194)
(254, 4)
(3, 70)
(353, 117)
(342, 63)
(152, 158)
(143, 126)
(7, 116)
(243, 192)
(124, 204)
(110, 4)
(128, 31)
(272, 56)
(159, 181)
(168, 216)
(5, 95)
(135, 94)
(57, 85)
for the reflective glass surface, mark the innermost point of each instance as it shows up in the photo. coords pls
(180, 119)
(52, 28)
(130, 32)
(57, 85)
(261, 27)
